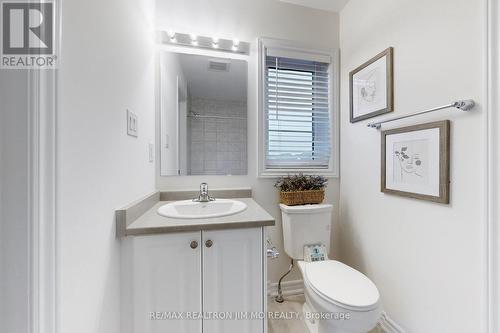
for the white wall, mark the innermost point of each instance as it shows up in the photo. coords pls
(494, 160)
(107, 66)
(172, 81)
(14, 219)
(425, 258)
(248, 20)
(183, 135)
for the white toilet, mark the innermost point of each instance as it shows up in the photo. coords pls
(339, 299)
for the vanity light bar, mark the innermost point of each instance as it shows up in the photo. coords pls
(202, 42)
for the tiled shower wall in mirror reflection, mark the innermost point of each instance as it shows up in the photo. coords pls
(218, 141)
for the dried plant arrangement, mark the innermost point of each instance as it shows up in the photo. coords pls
(301, 189)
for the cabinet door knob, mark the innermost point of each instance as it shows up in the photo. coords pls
(209, 243)
(194, 244)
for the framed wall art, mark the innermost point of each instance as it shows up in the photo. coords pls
(371, 87)
(416, 161)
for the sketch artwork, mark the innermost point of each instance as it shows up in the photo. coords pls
(411, 162)
(371, 87)
(368, 93)
(416, 161)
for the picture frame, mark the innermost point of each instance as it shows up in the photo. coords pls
(371, 87)
(415, 161)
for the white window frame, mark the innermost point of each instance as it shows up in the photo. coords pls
(333, 103)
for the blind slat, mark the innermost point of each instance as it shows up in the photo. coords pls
(295, 122)
(298, 118)
(295, 66)
(286, 102)
(317, 86)
(318, 77)
(297, 96)
(294, 144)
(287, 108)
(273, 77)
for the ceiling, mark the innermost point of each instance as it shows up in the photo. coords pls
(329, 5)
(205, 83)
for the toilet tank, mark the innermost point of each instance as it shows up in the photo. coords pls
(305, 225)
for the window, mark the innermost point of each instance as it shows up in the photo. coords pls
(296, 111)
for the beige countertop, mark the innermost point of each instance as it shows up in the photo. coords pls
(150, 222)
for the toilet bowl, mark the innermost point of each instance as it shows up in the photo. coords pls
(339, 299)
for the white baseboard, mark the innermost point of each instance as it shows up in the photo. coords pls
(387, 325)
(289, 288)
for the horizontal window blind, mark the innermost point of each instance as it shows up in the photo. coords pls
(297, 113)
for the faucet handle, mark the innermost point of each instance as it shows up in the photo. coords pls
(203, 196)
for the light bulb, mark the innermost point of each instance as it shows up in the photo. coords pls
(194, 41)
(171, 35)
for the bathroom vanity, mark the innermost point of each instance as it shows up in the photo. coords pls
(192, 267)
(193, 274)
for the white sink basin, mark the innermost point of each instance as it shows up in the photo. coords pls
(187, 209)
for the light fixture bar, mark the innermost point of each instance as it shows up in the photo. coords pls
(202, 42)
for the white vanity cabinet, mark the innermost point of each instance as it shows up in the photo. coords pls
(162, 274)
(187, 274)
(233, 280)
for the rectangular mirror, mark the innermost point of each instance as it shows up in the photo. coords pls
(203, 114)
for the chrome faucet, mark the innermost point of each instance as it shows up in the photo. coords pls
(204, 196)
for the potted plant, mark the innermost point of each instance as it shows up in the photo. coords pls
(301, 189)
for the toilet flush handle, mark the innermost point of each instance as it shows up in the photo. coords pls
(271, 251)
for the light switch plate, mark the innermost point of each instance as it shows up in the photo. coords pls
(132, 124)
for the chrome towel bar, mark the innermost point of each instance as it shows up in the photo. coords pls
(465, 105)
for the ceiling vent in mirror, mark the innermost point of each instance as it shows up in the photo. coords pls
(219, 65)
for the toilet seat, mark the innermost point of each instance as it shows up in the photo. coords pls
(340, 284)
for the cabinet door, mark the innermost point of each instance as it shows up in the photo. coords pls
(233, 279)
(166, 279)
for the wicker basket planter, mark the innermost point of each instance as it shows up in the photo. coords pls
(302, 197)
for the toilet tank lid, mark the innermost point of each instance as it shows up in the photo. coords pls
(306, 209)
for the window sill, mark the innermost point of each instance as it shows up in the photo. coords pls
(285, 172)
